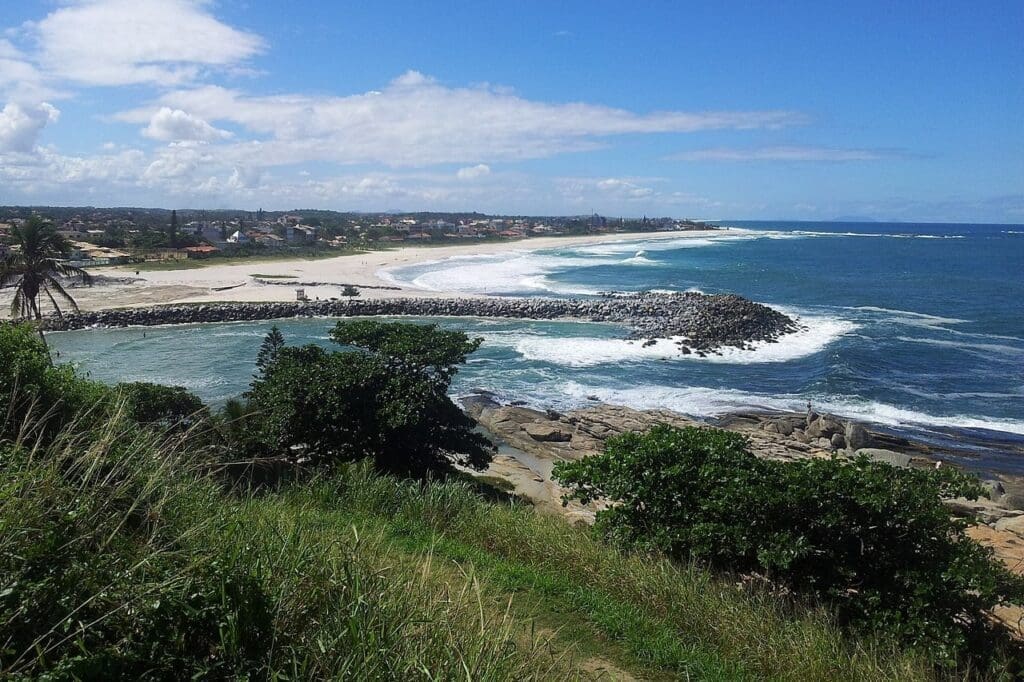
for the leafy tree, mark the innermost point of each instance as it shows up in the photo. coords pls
(386, 400)
(34, 269)
(425, 348)
(349, 291)
(875, 541)
(272, 344)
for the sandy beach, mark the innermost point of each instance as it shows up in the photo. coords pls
(236, 281)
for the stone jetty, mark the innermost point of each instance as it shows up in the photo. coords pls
(700, 323)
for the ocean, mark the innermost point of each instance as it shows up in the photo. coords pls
(915, 327)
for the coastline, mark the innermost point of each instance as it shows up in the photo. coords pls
(235, 282)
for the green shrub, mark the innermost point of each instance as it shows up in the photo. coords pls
(169, 407)
(387, 400)
(35, 391)
(874, 541)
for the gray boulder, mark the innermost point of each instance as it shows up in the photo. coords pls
(994, 488)
(823, 427)
(896, 459)
(547, 433)
(1012, 501)
(856, 436)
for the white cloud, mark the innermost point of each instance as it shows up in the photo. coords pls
(782, 154)
(473, 172)
(174, 124)
(415, 121)
(20, 125)
(125, 42)
(20, 79)
(624, 188)
(614, 194)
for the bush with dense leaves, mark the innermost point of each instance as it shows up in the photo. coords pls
(874, 541)
(35, 391)
(169, 407)
(385, 399)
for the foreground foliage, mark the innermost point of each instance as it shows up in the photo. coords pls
(119, 559)
(124, 555)
(874, 541)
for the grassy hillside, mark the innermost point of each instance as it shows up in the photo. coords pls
(122, 557)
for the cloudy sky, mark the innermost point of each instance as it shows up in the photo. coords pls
(803, 110)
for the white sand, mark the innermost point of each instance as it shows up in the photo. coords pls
(211, 282)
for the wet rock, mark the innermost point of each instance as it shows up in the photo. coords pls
(838, 440)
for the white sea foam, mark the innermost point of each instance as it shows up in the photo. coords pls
(639, 259)
(978, 348)
(524, 270)
(706, 402)
(513, 272)
(910, 318)
(816, 334)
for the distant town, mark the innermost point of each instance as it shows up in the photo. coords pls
(116, 236)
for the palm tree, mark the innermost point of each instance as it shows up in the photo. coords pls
(34, 269)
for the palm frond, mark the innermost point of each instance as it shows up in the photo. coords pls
(11, 270)
(18, 303)
(72, 272)
(51, 282)
(53, 302)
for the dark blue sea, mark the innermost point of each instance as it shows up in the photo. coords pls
(917, 327)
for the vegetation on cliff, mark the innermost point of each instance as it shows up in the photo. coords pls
(871, 540)
(130, 547)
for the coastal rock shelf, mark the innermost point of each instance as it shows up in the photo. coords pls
(699, 322)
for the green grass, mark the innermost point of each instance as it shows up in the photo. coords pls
(120, 557)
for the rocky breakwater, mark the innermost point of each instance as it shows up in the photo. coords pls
(699, 323)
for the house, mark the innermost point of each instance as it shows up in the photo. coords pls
(300, 234)
(167, 254)
(268, 240)
(204, 251)
(84, 253)
(238, 238)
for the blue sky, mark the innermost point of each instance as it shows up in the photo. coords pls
(792, 110)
